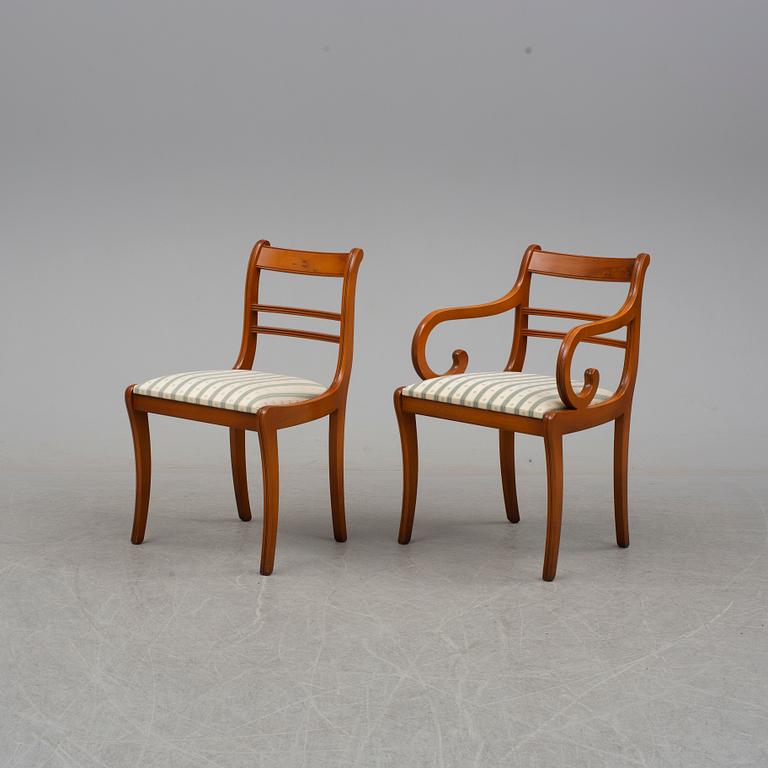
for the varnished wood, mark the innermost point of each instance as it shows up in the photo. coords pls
(336, 473)
(507, 462)
(562, 334)
(564, 313)
(553, 448)
(271, 418)
(143, 458)
(517, 296)
(406, 422)
(303, 262)
(239, 472)
(580, 411)
(279, 310)
(581, 267)
(193, 412)
(297, 332)
(620, 477)
(270, 473)
(478, 416)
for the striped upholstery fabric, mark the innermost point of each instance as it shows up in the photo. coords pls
(524, 394)
(245, 391)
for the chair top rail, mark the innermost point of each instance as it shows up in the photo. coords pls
(581, 267)
(313, 263)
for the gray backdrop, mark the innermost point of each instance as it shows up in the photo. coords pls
(145, 146)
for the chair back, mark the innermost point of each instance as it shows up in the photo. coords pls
(566, 265)
(343, 266)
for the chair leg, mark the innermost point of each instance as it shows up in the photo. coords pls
(142, 453)
(409, 442)
(553, 445)
(271, 482)
(507, 461)
(336, 473)
(239, 475)
(620, 467)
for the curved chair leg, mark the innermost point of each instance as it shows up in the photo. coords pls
(409, 442)
(336, 473)
(553, 445)
(620, 466)
(142, 453)
(239, 475)
(507, 461)
(271, 482)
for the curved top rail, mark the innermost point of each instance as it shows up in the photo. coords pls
(302, 262)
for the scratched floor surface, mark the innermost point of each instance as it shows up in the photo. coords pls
(449, 652)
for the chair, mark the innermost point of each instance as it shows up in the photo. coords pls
(511, 401)
(243, 399)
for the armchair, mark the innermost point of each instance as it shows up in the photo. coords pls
(512, 401)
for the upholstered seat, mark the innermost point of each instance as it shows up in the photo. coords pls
(234, 390)
(523, 394)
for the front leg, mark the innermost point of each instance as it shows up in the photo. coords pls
(410, 446)
(271, 482)
(143, 456)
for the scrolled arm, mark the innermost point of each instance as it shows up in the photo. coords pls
(583, 398)
(460, 357)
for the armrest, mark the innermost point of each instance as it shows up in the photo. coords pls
(460, 357)
(582, 399)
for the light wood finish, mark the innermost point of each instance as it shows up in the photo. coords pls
(271, 418)
(580, 411)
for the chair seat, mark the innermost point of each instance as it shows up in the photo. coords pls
(522, 394)
(233, 390)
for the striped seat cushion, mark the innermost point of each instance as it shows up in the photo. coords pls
(524, 394)
(245, 391)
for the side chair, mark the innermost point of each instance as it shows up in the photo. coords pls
(512, 401)
(243, 399)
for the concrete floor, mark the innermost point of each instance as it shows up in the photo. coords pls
(448, 652)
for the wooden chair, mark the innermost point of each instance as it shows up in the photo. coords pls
(243, 399)
(511, 401)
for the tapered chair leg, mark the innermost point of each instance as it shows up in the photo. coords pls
(507, 461)
(336, 473)
(553, 445)
(620, 468)
(239, 475)
(142, 453)
(271, 483)
(409, 443)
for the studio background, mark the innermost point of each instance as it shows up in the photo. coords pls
(146, 146)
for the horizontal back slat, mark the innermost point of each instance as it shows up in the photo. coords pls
(568, 314)
(561, 335)
(319, 313)
(303, 262)
(581, 267)
(297, 332)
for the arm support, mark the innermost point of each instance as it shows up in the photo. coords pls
(460, 357)
(582, 399)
